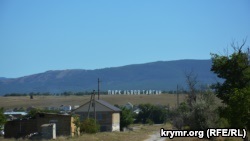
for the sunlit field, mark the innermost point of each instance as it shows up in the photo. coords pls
(56, 101)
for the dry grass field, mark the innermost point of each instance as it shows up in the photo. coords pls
(56, 101)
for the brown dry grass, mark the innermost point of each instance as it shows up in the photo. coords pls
(56, 101)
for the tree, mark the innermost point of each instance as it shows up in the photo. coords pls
(200, 110)
(145, 112)
(191, 80)
(159, 114)
(3, 119)
(200, 115)
(126, 117)
(180, 115)
(149, 112)
(204, 113)
(235, 90)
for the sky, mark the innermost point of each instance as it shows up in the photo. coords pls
(41, 35)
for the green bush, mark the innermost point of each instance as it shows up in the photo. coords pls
(3, 119)
(223, 123)
(200, 115)
(156, 113)
(126, 118)
(149, 121)
(89, 125)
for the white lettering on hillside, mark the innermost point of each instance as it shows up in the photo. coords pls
(134, 92)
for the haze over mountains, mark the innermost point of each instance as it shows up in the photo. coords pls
(161, 75)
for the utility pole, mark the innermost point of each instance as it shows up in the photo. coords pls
(98, 88)
(92, 99)
(177, 93)
(94, 106)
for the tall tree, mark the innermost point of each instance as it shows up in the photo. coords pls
(191, 80)
(235, 90)
(126, 117)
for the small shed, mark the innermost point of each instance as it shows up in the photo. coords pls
(23, 127)
(107, 115)
(64, 123)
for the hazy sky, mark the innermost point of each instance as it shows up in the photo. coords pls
(41, 35)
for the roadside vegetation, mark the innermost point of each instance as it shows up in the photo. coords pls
(201, 110)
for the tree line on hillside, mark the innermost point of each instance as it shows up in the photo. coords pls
(52, 94)
(79, 93)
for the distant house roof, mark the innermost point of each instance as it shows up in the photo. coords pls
(129, 105)
(103, 103)
(15, 113)
(137, 111)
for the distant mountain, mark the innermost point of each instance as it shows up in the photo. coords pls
(162, 75)
(2, 78)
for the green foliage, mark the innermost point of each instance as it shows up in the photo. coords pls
(223, 123)
(22, 109)
(32, 113)
(89, 125)
(237, 110)
(3, 119)
(180, 115)
(126, 117)
(200, 115)
(204, 112)
(235, 90)
(155, 113)
(234, 69)
(149, 121)
(77, 123)
(145, 112)
(159, 114)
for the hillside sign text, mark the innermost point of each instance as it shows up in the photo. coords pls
(133, 92)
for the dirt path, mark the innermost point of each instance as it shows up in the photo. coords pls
(155, 137)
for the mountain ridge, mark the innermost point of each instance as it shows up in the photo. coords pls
(161, 75)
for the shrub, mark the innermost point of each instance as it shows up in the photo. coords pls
(149, 121)
(156, 113)
(3, 119)
(200, 115)
(89, 125)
